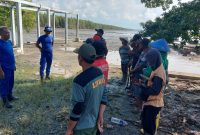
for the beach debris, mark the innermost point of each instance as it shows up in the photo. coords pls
(119, 121)
(109, 126)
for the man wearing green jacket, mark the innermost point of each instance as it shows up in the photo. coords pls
(88, 96)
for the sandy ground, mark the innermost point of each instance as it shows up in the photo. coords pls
(180, 116)
(177, 63)
(64, 62)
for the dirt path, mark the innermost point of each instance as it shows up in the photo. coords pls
(120, 107)
(64, 62)
(180, 116)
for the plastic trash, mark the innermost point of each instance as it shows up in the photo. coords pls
(119, 121)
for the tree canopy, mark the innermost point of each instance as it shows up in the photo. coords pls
(157, 3)
(181, 21)
(83, 24)
(28, 16)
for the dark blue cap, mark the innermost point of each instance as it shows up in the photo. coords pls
(89, 41)
(100, 47)
(47, 29)
(100, 31)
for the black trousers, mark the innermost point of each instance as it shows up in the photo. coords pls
(150, 118)
(124, 68)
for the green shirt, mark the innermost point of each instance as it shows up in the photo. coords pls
(88, 92)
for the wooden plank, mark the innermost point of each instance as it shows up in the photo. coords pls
(184, 75)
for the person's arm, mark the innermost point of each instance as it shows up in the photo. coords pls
(1, 73)
(106, 49)
(38, 44)
(139, 67)
(157, 84)
(154, 90)
(1, 70)
(150, 79)
(141, 63)
(70, 127)
(102, 109)
(78, 96)
(100, 118)
(130, 53)
(52, 41)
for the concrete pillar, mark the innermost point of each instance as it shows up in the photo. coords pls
(38, 23)
(19, 26)
(54, 25)
(66, 28)
(66, 31)
(77, 28)
(12, 14)
(48, 18)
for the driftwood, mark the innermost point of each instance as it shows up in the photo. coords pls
(184, 76)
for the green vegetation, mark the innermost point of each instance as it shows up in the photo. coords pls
(4, 14)
(84, 24)
(29, 21)
(28, 17)
(181, 21)
(157, 3)
(42, 108)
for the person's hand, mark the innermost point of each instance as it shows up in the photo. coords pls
(1, 74)
(140, 82)
(132, 71)
(100, 124)
(129, 64)
(69, 132)
(130, 53)
(149, 83)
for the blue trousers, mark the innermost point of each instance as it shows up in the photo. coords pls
(6, 85)
(45, 61)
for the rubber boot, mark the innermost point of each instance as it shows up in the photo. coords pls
(47, 78)
(6, 103)
(11, 98)
(41, 79)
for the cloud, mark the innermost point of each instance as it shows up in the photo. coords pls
(126, 13)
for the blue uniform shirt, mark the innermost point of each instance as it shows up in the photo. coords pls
(7, 58)
(46, 41)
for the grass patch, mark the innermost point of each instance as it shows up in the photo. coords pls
(42, 109)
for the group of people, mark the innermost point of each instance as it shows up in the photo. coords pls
(142, 61)
(145, 66)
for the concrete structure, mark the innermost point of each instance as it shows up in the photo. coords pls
(19, 5)
(77, 28)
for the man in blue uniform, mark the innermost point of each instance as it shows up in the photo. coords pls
(88, 96)
(46, 52)
(7, 67)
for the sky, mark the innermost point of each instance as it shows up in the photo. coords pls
(124, 13)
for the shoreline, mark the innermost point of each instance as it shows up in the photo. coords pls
(178, 64)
